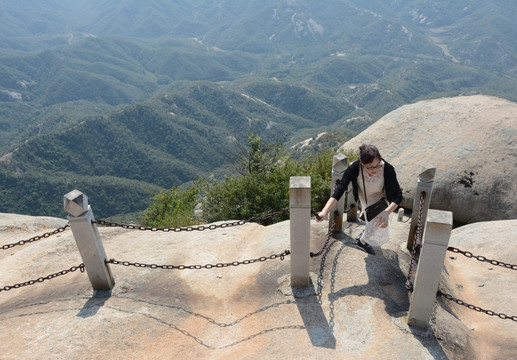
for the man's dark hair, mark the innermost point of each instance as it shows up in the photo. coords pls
(368, 153)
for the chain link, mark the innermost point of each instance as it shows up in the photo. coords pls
(43, 278)
(268, 216)
(416, 242)
(406, 221)
(35, 238)
(191, 228)
(332, 288)
(316, 215)
(476, 308)
(319, 291)
(329, 236)
(481, 258)
(198, 267)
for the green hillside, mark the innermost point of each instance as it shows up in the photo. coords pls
(53, 89)
(166, 141)
(122, 98)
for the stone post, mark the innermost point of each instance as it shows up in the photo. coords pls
(300, 214)
(351, 214)
(339, 165)
(400, 215)
(425, 185)
(430, 266)
(88, 240)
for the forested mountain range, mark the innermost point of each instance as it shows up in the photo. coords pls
(121, 98)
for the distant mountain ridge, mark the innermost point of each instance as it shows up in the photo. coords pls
(168, 140)
(471, 29)
(83, 84)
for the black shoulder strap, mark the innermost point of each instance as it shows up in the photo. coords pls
(364, 186)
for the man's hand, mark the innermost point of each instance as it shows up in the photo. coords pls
(384, 219)
(320, 217)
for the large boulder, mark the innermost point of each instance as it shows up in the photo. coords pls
(356, 307)
(487, 284)
(470, 140)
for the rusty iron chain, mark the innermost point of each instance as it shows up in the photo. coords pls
(481, 258)
(35, 238)
(316, 215)
(406, 221)
(191, 228)
(416, 242)
(332, 288)
(329, 235)
(43, 278)
(476, 308)
(198, 267)
(319, 291)
(268, 216)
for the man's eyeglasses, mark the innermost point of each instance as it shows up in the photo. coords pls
(373, 167)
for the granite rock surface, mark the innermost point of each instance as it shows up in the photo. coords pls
(355, 308)
(470, 140)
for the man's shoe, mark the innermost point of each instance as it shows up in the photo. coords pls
(366, 247)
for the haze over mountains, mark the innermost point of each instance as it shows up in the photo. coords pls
(120, 98)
